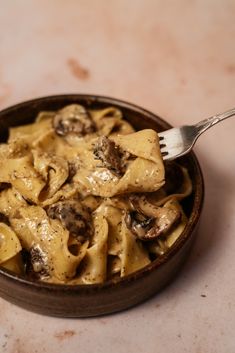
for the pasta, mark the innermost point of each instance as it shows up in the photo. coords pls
(84, 198)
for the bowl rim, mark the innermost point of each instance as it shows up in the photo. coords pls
(155, 264)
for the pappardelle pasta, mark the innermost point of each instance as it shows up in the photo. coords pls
(85, 198)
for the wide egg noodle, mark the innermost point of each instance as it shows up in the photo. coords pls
(20, 173)
(174, 234)
(51, 143)
(28, 133)
(45, 116)
(186, 187)
(66, 192)
(10, 202)
(160, 197)
(110, 121)
(34, 228)
(14, 264)
(144, 174)
(94, 266)
(133, 256)
(128, 254)
(114, 218)
(9, 243)
(54, 169)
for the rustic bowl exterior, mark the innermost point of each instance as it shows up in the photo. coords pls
(99, 299)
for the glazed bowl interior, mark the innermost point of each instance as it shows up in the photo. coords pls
(109, 297)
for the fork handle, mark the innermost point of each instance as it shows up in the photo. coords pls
(207, 123)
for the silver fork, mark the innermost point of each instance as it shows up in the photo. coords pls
(176, 142)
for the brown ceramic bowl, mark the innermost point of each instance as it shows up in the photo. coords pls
(98, 299)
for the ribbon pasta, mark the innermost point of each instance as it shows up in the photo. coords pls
(84, 198)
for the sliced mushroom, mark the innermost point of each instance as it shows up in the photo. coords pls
(73, 119)
(164, 222)
(174, 177)
(111, 155)
(139, 224)
(74, 217)
(35, 262)
(38, 260)
(149, 228)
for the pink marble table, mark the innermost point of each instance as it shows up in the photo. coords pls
(176, 58)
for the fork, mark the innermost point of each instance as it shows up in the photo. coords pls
(176, 142)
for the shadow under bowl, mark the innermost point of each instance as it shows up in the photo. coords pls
(109, 297)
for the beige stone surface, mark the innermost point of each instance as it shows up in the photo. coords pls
(176, 58)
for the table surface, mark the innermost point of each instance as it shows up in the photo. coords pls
(177, 59)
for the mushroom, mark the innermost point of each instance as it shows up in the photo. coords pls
(35, 262)
(74, 217)
(149, 228)
(111, 155)
(38, 260)
(73, 119)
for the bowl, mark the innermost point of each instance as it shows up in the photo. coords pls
(109, 297)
